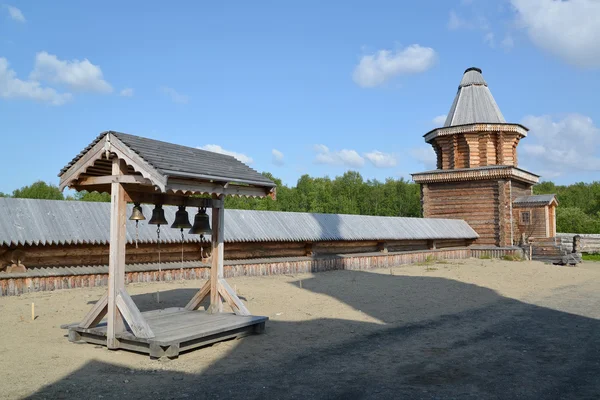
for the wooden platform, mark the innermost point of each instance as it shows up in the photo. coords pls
(176, 330)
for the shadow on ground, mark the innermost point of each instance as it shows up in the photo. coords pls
(437, 338)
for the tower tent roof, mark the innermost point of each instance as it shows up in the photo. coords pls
(474, 102)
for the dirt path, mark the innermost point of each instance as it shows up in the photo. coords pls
(468, 329)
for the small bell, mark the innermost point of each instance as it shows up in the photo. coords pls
(158, 216)
(137, 214)
(182, 220)
(201, 224)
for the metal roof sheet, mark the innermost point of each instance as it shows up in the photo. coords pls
(474, 102)
(43, 222)
(536, 199)
(182, 161)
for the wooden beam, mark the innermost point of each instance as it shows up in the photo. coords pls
(96, 313)
(133, 316)
(194, 303)
(116, 261)
(232, 299)
(83, 163)
(109, 179)
(216, 269)
(191, 187)
(172, 199)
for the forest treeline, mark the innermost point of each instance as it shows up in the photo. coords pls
(578, 211)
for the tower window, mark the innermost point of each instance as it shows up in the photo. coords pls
(525, 217)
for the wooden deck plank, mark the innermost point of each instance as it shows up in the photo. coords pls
(191, 334)
(172, 322)
(148, 315)
(187, 320)
(195, 324)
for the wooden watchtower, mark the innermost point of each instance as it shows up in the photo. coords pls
(477, 178)
(141, 170)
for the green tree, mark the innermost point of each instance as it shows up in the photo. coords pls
(38, 190)
(92, 196)
(4, 195)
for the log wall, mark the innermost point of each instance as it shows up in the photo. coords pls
(475, 202)
(16, 284)
(470, 150)
(39, 256)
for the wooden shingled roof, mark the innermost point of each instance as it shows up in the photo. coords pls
(167, 166)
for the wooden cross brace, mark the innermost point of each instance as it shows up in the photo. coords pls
(128, 311)
(225, 292)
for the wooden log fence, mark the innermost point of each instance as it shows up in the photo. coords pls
(49, 279)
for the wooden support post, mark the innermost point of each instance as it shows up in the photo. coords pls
(216, 269)
(116, 261)
(382, 247)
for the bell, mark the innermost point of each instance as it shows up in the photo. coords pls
(201, 224)
(182, 221)
(137, 214)
(158, 216)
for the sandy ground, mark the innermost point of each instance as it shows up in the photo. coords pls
(464, 329)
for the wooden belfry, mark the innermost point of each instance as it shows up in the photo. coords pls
(141, 170)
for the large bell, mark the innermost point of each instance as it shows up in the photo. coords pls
(137, 214)
(158, 216)
(201, 224)
(182, 221)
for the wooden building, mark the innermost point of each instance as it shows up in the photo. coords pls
(477, 178)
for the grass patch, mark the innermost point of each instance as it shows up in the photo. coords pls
(512, 257)
(430, 260)
(590, 257)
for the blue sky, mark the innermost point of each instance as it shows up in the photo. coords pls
(295, 87)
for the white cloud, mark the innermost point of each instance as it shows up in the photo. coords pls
(127, 92)
(77, 75)
(12, 87)
(475, 22)
(321, 148)
(344, 157)
(488, 39)
(381, 160)
(439, 120)
(351, 158)
(277, 157)
(174, 95)
(507, 43)
(425, 155)
(215, 148)
(455, 22)
(559, 146)
(375, 69)
(567, 29)
(15, 13)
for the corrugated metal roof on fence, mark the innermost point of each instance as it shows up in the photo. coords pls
(535, 199)
(29, 221)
